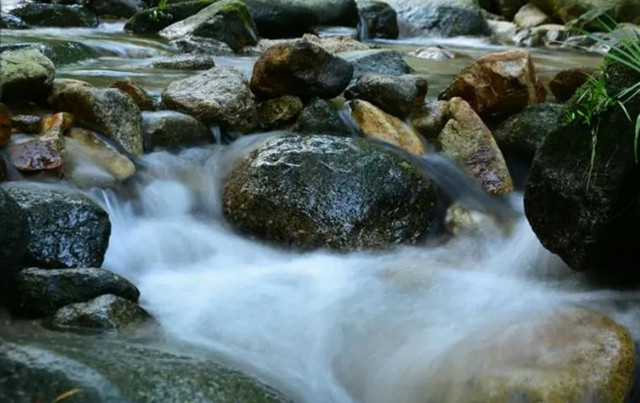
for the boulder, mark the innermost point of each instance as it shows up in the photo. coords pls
(508, 8)
(154, 19)
(107, 369)
(207, 46)
(302, 69)
(567, 10)
(193, 61)
(320, 117)
(445, 18)
(430, 118)
(434, 52)
(61, 85)
(25, 75)
(322, 31)
(55, 15)
(58, 51)
(67, 229)
(228, 21)
(566, 82)
(109, 110)
(498, 84)
(81, 143)
(380, 19)
(292, 18)
(396, 95)
(377, 124)
(581, 197)
(293, 191)
(332, 44)
(9, 21)
(104, 314)
(137, 93)
(568, 356)
(113, 8)
(466, 140)
(503, 32)
(523, 133)
(220, 95)
(379, 61)
(173, 130)
(530, 16)
(14, 235)
(278, 111)
(37, 292)
(28, 124)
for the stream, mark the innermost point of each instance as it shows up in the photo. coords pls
(320, 326)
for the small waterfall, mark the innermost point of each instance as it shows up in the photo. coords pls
(363, 29)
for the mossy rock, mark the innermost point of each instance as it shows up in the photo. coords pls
(154, 19)
(59, 52)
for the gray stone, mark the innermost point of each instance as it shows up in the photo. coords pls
(198, 45)
(14, 236)
(378, 61)
(172, 130)
(193, 61)
(530, 16)
(380, 19)
(55, 15)
(320, 117)
(25, 75)
(277, 111)
(66, 228)
(397, 95)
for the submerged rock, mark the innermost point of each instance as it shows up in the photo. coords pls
(220, 95)
(328, 192)
(498, 84)
(55, 15)
(228, 21)
(380, 19)
(320, 117)
(467, 140)
(114, 370)
(105, 314)
(67, 229)
(377, 124)
(380, 61)
(193, 61)
(137, 93)
(397, 95)
(37, 292)
(14, 235)
(107, 109)
(277, 111)
(566, 83)
(172, 130)
(302, 69)
(25, 75)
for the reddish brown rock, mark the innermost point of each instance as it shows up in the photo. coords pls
(567, 82)
(498, 85)
(56, 124)
(139, 95)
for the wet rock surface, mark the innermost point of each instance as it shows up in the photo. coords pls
(137, 93)
(25, 75)
(14, 236)
(55, 15)
(277, 111)
(378, 61)
(319, 116)
(173, 130)
(380, 18)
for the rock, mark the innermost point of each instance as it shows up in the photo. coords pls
(186, 62)
(277, 111)
(55, 15)
(302, 69)
(67, 229)
(551, 35)
(498, 84)
(397, 95)
(530, 16)
(45, 152)
(523, 133)
(107, 369)
(430, 118)
(294, 191)
(592, 359)
(9, 21)
(581, 200)
(61, 85)
(565, 11)
(105, 314)
(445, 18)
(173, 130)
(335, 32)
(566, 83)
(377, 124)
(3, 169)
(115, 8)
(25, 75)
(503, 32)
(29, 124)
(466, 140)
(292, 18)
(85, 143)
(139, 95)
(334, 45)
(107, 109)
(228, 21)
(37, 292)
(320, 117)
(509, 8)
(59, 52)
(378, 61)
(433, 53)
(380, 19)
(5, 125)
(14, 235)
(154, 19)
(220, 95)
(206, 46)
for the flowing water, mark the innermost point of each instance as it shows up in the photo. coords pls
(320, 326)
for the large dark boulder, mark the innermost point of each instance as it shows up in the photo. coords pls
(25, 75)
(67, 229)
(14, 235)
(380, 19)
(173, 130)
(582, 195)
(55, 15)
(326, 191)
(155, 19)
